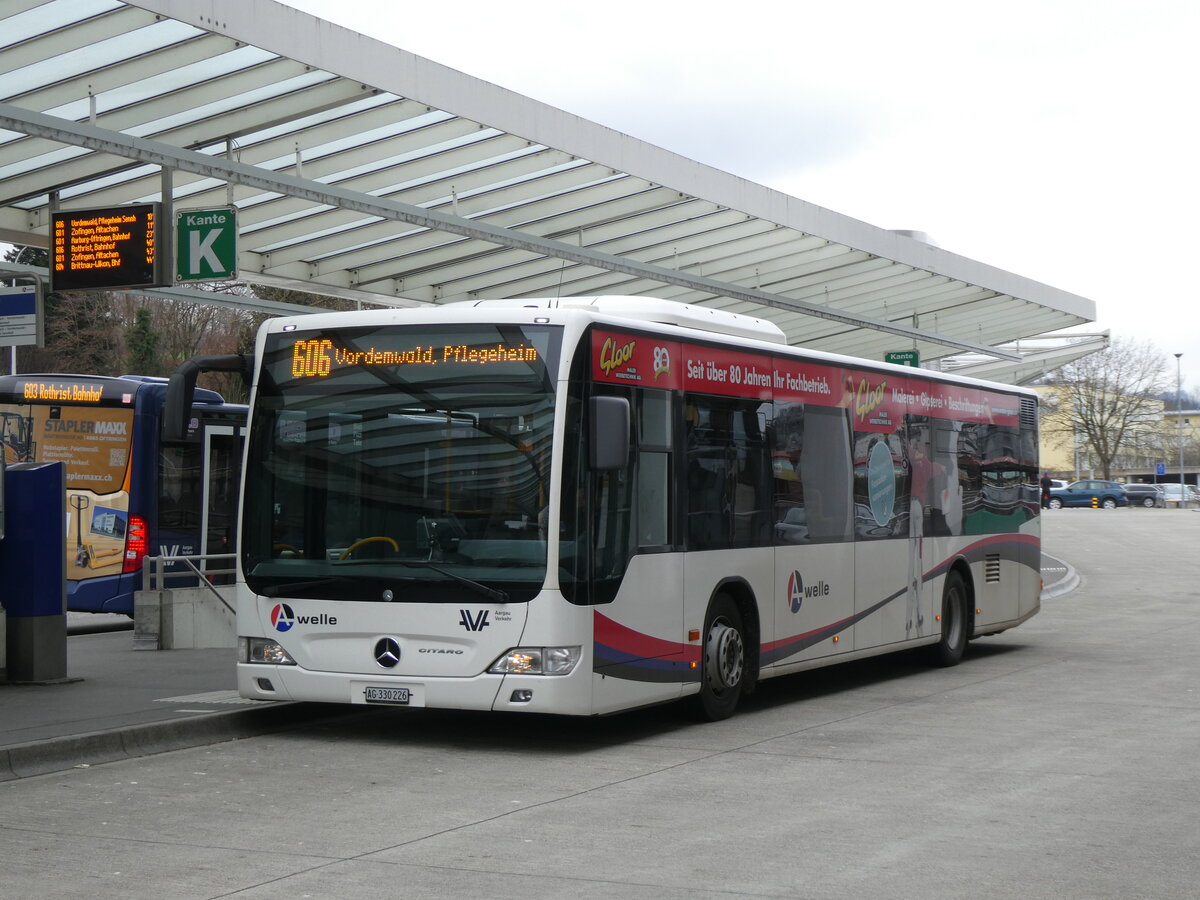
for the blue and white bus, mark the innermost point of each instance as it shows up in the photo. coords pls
(587, 505)
(129, 492)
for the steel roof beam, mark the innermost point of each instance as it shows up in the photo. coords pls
(105, 141)
(50, 45)
(139, 114)
(522, 277)
(466, 168)
(201, 191)
(573, 183)
(100, 165)
(359, 57)
(615, 196)
(660, 223)
(200, 47)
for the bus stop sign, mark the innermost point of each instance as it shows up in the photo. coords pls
(206, 244)
(904, 358)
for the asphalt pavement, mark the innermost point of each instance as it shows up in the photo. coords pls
(119, 703)
(1056, 762)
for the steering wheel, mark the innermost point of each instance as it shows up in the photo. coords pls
(369, 540)
(284, 548)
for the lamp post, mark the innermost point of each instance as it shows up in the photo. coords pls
(1179, 416)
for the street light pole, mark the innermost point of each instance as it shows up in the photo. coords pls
(1179, 416)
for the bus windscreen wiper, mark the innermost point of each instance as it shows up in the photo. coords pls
(483, 590)
(274, 590)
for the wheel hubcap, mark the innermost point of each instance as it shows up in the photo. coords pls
(724, 656)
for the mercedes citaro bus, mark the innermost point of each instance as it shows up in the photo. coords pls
(586, 505)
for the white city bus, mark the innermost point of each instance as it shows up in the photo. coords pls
(587, 505)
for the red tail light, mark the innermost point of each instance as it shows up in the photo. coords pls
(135, 544)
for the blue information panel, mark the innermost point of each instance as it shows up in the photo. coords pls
(18, 316)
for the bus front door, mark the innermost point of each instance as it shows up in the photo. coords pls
(221, 476)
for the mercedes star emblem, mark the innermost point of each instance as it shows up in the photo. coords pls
(387, 652)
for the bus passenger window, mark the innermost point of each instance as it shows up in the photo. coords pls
(653, 493)
(881, 486)
(728, 474)
(810, 456)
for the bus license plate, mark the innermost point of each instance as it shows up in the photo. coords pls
(396, 696)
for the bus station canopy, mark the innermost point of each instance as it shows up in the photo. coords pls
(363, 171)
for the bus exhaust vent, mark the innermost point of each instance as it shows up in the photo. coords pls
(991, 568)
(1028, 412)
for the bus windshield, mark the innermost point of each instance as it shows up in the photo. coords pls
(401, 464)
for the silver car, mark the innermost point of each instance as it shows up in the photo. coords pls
(1174, 494)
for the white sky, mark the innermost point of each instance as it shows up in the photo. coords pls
(1052, 138)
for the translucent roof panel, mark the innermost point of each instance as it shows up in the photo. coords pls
(362, 170)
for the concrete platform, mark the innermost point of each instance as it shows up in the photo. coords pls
(118, 703)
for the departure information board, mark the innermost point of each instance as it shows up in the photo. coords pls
(99, 249)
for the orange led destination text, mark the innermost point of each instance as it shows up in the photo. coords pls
(318, 357)
(77, 393)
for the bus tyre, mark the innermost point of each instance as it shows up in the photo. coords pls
(723, 666)
(949, 648)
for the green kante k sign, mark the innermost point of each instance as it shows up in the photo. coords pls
(904, 358)
(206, 244)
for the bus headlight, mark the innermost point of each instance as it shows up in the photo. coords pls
(536, 661)
(263, 650)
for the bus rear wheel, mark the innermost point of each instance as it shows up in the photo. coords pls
(953, 642)
(723, 668)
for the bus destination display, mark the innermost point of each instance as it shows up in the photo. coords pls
(102, 249)
(319, 357)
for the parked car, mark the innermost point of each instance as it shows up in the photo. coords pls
(1104, 494)
(1147, 495)
(1173, 493)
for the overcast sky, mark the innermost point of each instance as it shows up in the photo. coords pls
(1056, 139)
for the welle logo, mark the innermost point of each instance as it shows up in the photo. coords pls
(283, 619)
(798, 591)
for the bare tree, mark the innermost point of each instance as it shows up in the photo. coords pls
(85, 333)
(115, 332)
(1109, 402)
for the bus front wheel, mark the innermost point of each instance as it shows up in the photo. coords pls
(723, 666)
(949, 648)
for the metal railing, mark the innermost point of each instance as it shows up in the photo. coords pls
(155, 575)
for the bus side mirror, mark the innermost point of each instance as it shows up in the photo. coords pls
(177, 408)
(609, 429)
